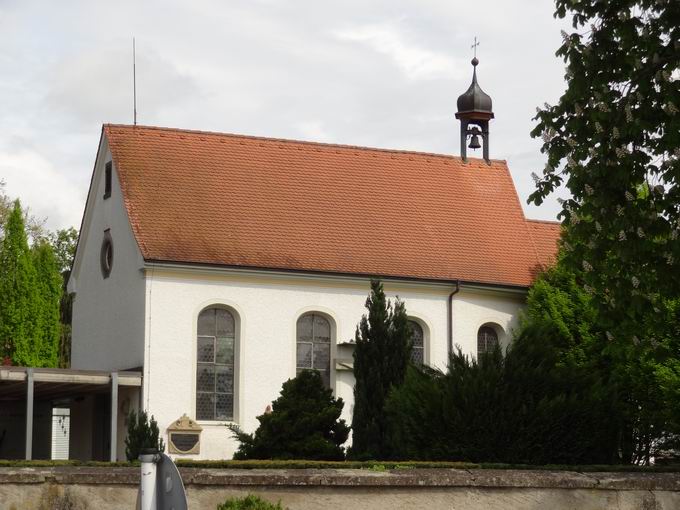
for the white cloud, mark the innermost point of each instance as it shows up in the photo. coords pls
(96, 86)
(384, 73)
(48, 193)
(415, 62)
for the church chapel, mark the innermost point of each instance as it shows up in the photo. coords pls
(221, 265)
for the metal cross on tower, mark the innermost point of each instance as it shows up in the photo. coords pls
(474, 47)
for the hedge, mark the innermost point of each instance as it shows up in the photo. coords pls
(370, 465)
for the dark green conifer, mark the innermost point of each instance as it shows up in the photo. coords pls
(382, 354)
(528, 407)
(142, 434)
(303, 424)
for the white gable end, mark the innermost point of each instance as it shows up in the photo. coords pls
(108, 312)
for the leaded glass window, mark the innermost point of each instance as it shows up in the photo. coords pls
(314, 346)
(487, 340)
(215, 365)
(418, 352)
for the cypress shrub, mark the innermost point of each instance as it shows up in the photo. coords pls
(570, 414)
(142, 434)
(527, 407)
(381, 357)
(303, 424)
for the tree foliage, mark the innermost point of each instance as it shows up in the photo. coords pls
(645, 373)
(31, 290)
(650, 372)
(40, 339)
(382, 354)
(64, 243)
(49, 284)
(529, 407)
(142, 434)
(557, 296)
(19, 305)
(304, 423)
(614, 141)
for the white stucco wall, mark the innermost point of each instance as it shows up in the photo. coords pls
(268, 308)
(108, 314)
(473, 309)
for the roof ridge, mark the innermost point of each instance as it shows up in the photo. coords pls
(303, 142)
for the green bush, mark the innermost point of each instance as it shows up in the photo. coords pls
(142, 434)
(381, 356)
(528, 407)
(250, 502)
(643, 367)
(303, 424)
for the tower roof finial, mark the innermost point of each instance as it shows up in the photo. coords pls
(474, 49)
(475, 100)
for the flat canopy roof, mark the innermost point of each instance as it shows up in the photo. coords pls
(55, 383)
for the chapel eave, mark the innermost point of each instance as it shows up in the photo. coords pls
(151, 266)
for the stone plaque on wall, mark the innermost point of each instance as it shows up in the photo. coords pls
(184, 436)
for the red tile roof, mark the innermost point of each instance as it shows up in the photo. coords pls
(233, 200)
(545, 235)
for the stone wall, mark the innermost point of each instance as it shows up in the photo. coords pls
(102, 488)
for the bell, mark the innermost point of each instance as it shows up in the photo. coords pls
(474, 142)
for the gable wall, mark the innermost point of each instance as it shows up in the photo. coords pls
(268, 308)
(108, 314)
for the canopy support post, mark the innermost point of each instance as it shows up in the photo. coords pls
(29, 413)
(114, 416)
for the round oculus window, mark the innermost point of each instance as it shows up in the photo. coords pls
(106, 256)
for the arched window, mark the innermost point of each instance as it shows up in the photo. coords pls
(314, 345)
(418, 352)
(487, 340)
(215, 347)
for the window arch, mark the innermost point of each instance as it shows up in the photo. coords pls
(106, 254)
(215, 353)
(487, 340)
(313, 345)
(418, 339)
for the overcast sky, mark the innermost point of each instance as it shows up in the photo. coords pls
(380, 73)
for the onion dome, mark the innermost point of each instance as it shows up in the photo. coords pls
(475, 100)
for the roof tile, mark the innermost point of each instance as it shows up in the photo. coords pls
(212, 198)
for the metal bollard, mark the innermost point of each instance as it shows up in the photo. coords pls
(148, 458)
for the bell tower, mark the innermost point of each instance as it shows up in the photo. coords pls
(474, 113)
